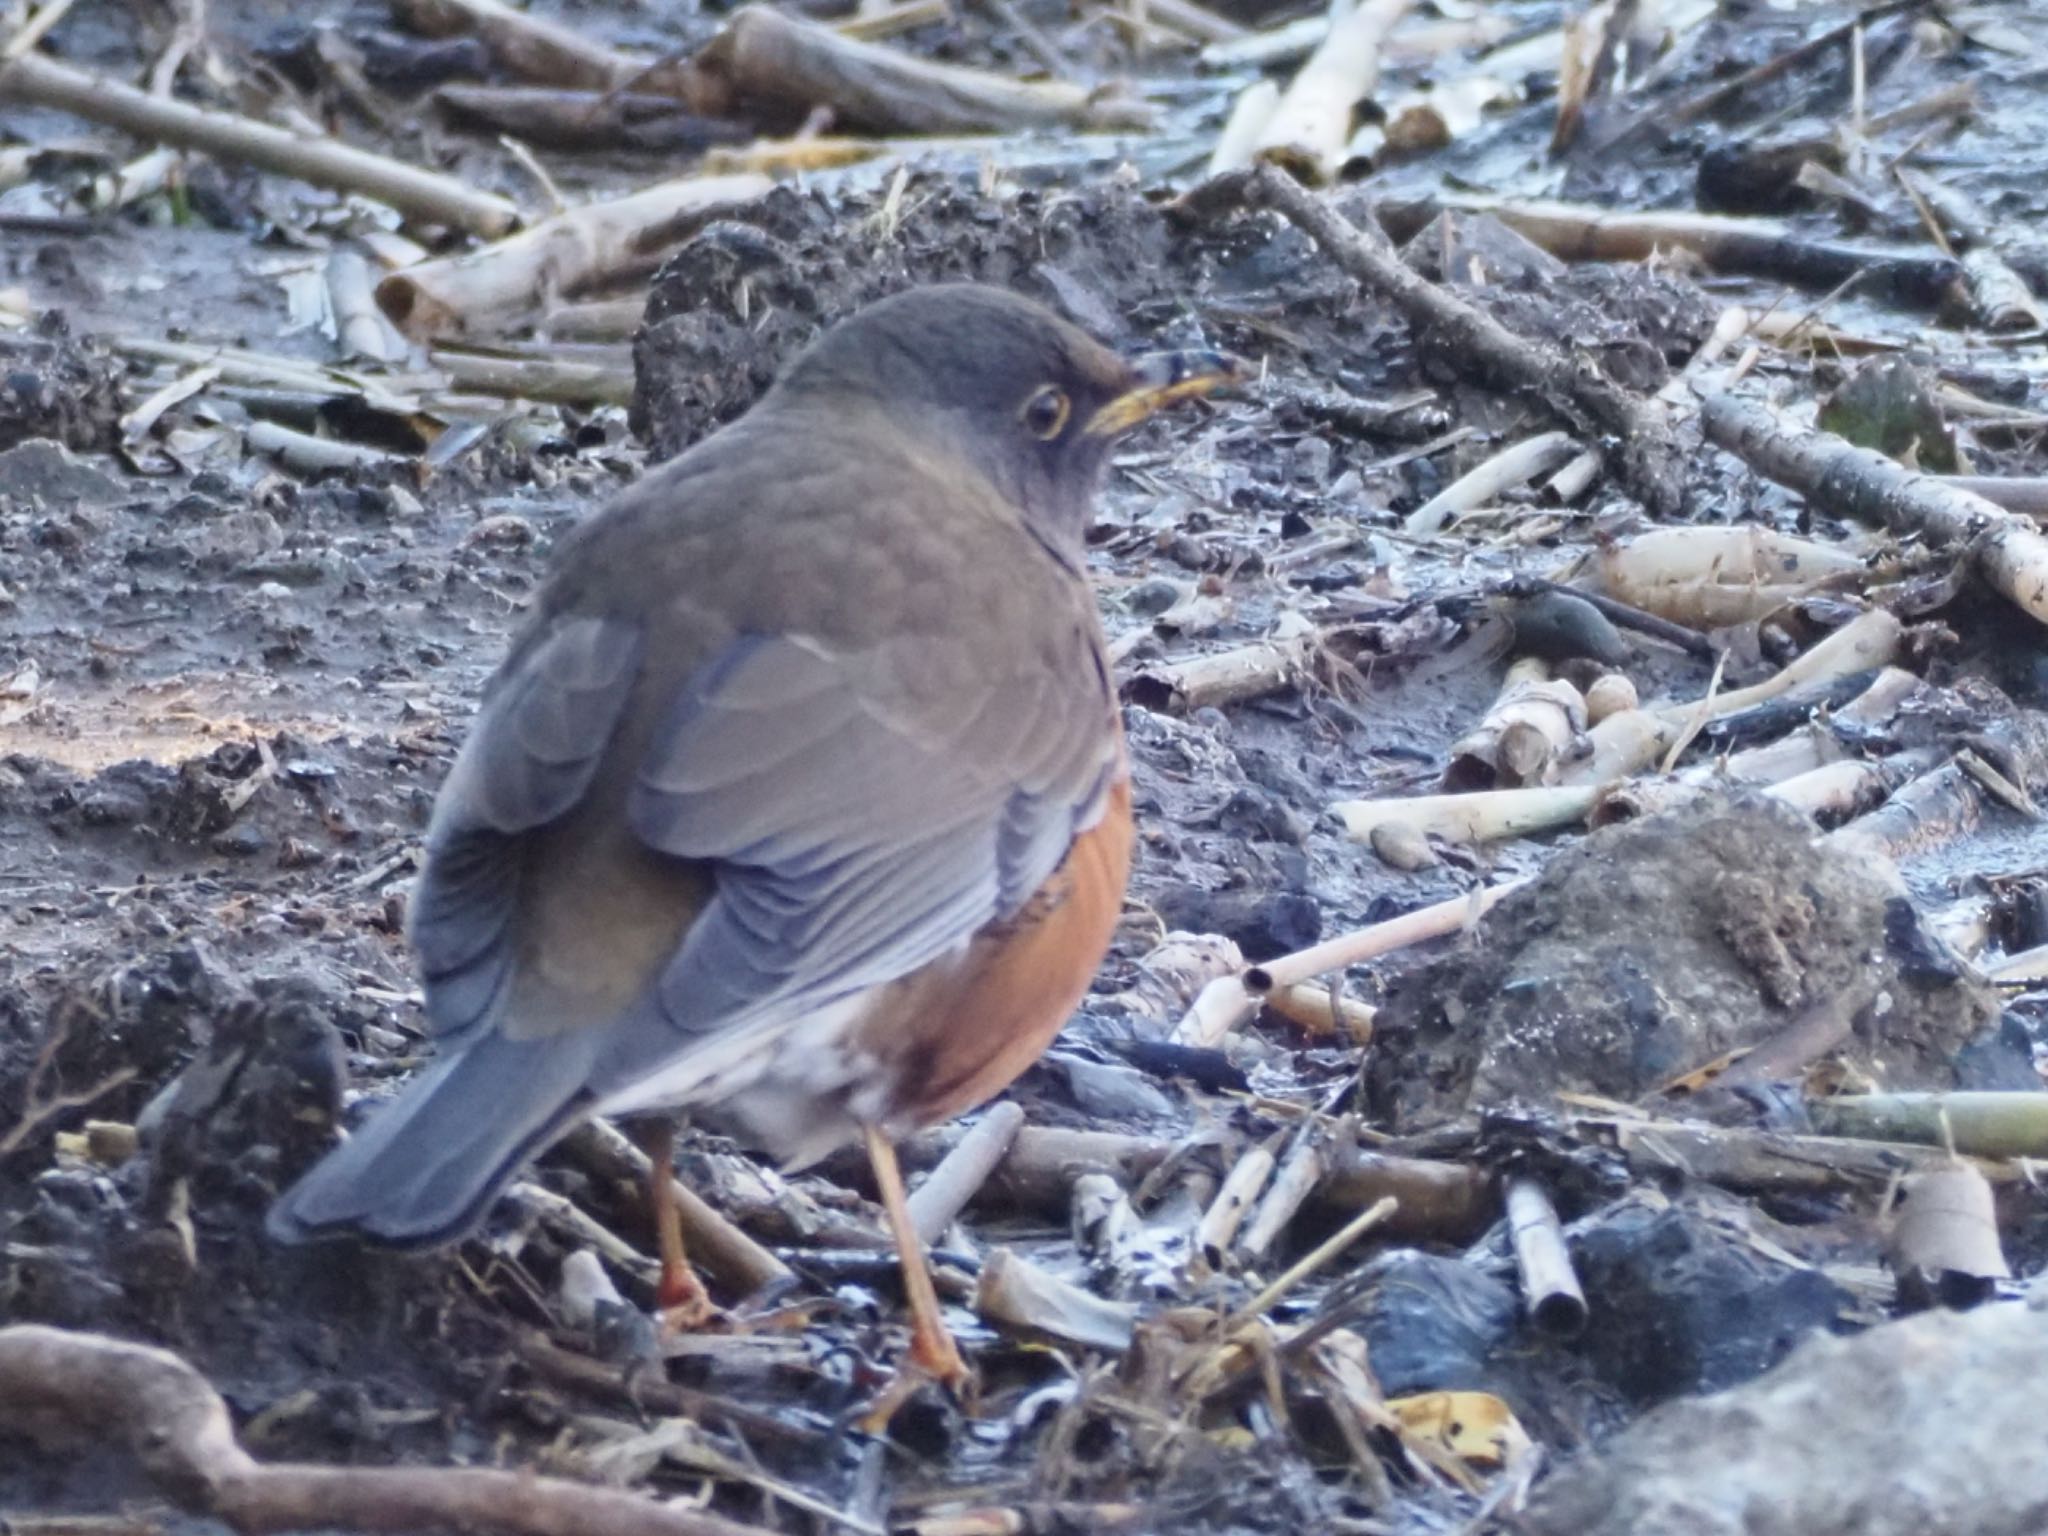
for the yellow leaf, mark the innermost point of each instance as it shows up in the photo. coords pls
(1476, 1427)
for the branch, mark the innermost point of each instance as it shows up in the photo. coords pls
(176, 1426)
(1648, 455)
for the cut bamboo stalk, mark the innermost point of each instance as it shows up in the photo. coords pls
(324, 162)
(1869, 640)
(560, 380)
(1311, 125)
(947, 1188)
(1249, 115)
(1714, 577)
(1314, 1009)
(1226, 1213)
(1976, 1124)
(577, 249)
(1197, 23)
(1527, 729)
(1611, 693)
(1624, 743)
(1550, 1286)
(1293, 1182)
(1484, 816)
(765, 56)
(1228, 677)
(308, 455)
(1943, 1245)
(361, 329)
(1515, 465)
(1230, 1001)
(892, 20)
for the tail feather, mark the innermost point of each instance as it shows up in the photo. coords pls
(429, 1164)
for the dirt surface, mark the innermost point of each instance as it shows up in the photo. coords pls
(229, 690)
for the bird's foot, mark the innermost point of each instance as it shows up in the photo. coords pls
(681, 1301)
(933, 1357)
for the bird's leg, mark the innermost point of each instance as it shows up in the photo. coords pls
(680, 1296)
(933, 1353)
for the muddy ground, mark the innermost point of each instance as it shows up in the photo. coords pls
(228, 692)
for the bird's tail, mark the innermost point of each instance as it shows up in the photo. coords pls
(428, 1164)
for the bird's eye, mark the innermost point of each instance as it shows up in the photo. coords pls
(1045, 413)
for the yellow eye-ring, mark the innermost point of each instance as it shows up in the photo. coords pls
(1045, 413)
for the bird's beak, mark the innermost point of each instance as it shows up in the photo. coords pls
(1159, 379)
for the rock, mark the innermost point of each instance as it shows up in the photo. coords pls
(1658, 946)
(1931, 1424)
(46, 471)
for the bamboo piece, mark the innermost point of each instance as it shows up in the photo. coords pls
(1612, 693)
(1625, 743)
(1483, 816)
(1869, 640)
(1514, 466)
(362, 330)
(563, 380)
(418, 194)
(1196, 23)
(1938, 808)
(308, 455)
(1862, 483)
(1527, 728)
(892, 20)
(577, 249)
(1015, 1292)
(1974, 1124)
(1727, 243)
(1363, 944)
(2024, 494)
(1550, 1286)
(522, 44)
(1774, 1162)
(1943, 1245)
(763, 55)
(1712, 577)
(1293, 1182)
(1575, 479)
(1648, 457)
(1313, 1008)
(1228, 677)
(1226, 1213)
(1249, 115)
(947, 1188)
(1311, 125)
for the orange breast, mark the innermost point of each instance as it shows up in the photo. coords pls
(951, 1037)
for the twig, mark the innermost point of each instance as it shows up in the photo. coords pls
(178, 1429)
(1312, 1263)
(322, 161)
(1645, 450)
(1860, 482)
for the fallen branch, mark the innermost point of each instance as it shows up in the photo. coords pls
(1642, 444)
(765, 57)
(324, 162)
(57, 1385)
(1848, 481)
(556, 257)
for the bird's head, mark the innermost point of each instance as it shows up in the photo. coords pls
(983, 375)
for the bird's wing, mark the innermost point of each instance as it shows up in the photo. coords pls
(530, 757)
(857, 829)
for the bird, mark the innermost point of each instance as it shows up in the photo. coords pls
(800, 802)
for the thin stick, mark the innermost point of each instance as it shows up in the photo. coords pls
(1312, 1263)
(322, 161)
